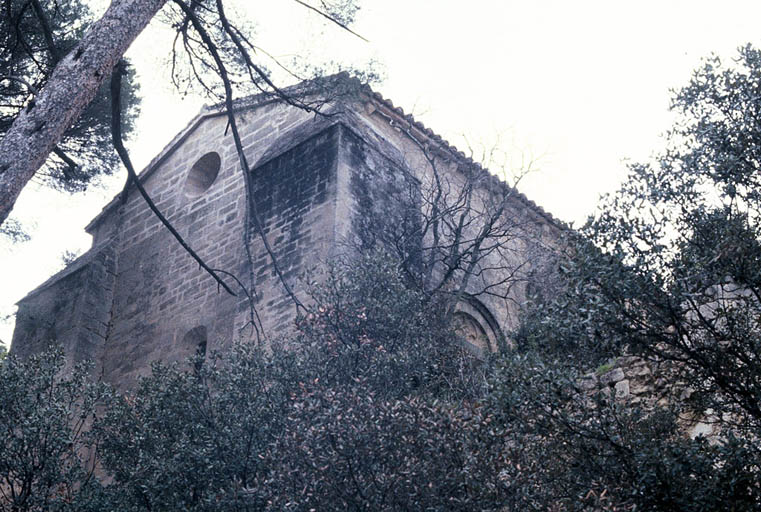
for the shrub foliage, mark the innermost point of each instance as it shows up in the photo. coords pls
(372, 404)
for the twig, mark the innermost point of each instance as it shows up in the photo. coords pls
(252, 310)
(331, 18)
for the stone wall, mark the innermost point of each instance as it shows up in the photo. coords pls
(73, 310)
(294, 195)
(530, 233)
(650, 384)
(320, 186)
(159, 293)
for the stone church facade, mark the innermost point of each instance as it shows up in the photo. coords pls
(318, 185)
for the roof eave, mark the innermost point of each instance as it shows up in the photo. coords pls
(396, 113)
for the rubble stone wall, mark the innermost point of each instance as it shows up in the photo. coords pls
(649, 384)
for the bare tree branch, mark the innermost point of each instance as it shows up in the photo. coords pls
(331, 18)
(252, 214)
(46, 31)
(122, 151)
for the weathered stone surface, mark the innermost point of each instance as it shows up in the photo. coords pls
(622, 389)
(701, 429)
(320, 187)
(605, 392)
(686, 393)
(640, 369)
(640, 388)
(612, 376)
(73, 309)
(650, 385)
(588, 382)
(628, 361)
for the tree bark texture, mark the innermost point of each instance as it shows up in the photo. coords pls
(71, 87)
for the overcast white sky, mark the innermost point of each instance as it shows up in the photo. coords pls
(578, 87)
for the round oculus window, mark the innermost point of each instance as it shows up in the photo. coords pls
(202, 175)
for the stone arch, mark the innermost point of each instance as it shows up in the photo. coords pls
(194, 343)
(479, 329)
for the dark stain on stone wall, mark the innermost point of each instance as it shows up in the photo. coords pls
(73, 310)
(293, 195)
(387, 199)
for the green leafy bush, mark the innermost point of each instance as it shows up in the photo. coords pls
(47, 450)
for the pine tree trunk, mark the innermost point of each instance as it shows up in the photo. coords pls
(71, 87)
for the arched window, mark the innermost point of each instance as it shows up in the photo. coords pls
(477, 327)
(194, 342)
(472, 332)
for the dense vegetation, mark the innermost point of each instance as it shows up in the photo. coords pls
(668, 270)
(373, 405)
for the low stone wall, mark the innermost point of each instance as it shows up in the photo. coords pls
(650, 384)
